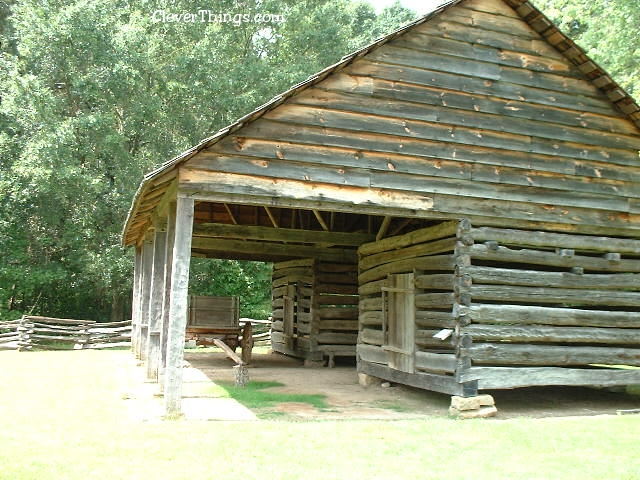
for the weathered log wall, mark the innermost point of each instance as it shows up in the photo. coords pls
(315, 311)
(292, 288)
(471, 114)
(541, 308)
(429, 255)
(336, 308)
(513, 308)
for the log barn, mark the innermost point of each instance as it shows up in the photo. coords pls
(457, 204)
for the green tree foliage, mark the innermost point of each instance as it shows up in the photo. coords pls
(94, 93)
(607, 30)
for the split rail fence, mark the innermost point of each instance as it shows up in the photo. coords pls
(46, 333)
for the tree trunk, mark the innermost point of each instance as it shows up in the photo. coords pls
(117, 308)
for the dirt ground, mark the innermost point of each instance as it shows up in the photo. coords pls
(349, 400)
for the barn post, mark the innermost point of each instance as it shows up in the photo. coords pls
(147, 262)
(178, 305)
(135, 303)
(155, 300)
(166, 295)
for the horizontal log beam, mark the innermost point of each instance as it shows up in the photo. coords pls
(539, 257)
(549, 355)
(525, 315)
(265, 250)
(528, 238)
(516, 377)
(537, 333)
(536, 278)
(289, 235)
(426, 381)
(511, 294)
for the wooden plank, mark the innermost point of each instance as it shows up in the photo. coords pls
(536, 278)
(348, 278)
(437, 43)
(434, 300)
(338, 289)
(503, 354)
(246, 232)
(527, 314)
(370, 318)
(549, 216)
(436, 281)
(425, 338)
(371, 336)
(371, 288)
(289, 321)
(489, 21)
(333, 313)
(491, 183)
(297, 263)
(439, 231)
(418, 135)
(547, 334)
(341, 300)
(338, 338)
(500, 40)
(516, 377)
(371, 353)
(346, 325)
(54, 321)
(400, 344)
(573, 297)
(489, 71)
(337, 267)
(262, 250)
(430, 77)
(305, 194)
(230, 353)
(370, 303)
(328, 104)
(178, 305)
(538, 257)
(525, 211)
(495, 8)
(426, 381)
(431, 263)
(436, 362)
(528, 238)
(436, 247)
(435, 319)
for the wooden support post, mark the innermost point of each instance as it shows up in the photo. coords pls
(155, 301)
(178, 305)
(166, 297)
(462, 301)
(135, 303)
(246, 343)
(145, 291)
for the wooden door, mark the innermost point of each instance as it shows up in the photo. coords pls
(289, 312)
(400, 322)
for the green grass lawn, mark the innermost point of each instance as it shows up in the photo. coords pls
(63, 416)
